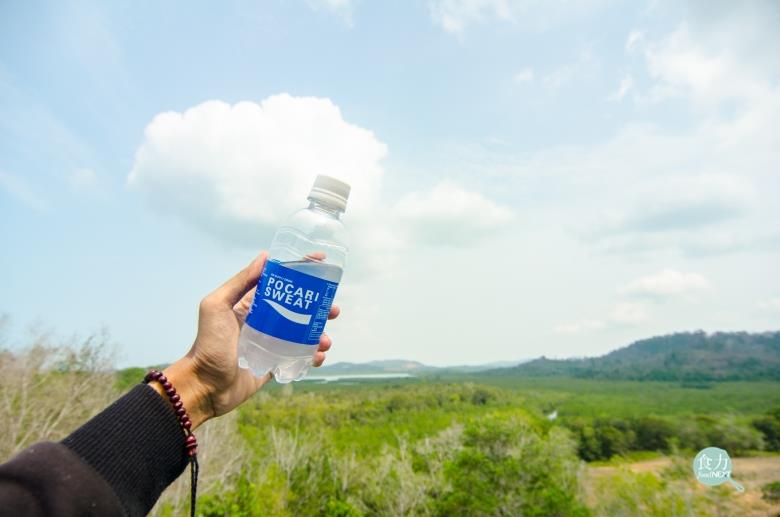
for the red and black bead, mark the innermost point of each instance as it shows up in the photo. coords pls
(190, 443)
(152, 376)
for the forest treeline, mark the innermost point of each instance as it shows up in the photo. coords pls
(685, 356)
(415, 446)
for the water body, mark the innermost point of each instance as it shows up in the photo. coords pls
(357, 376)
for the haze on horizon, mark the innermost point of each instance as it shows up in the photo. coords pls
(556, 178)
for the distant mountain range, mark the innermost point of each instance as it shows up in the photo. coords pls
(684, 356)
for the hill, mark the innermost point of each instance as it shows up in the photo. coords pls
(686, 356)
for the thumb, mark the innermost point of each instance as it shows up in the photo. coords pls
(234, 289)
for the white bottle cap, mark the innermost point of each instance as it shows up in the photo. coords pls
(330, 191)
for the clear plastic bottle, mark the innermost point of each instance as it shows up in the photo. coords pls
(296, 290)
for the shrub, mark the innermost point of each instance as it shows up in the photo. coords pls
(506, 468)
(653, 433)
(771, 492)
(769, 426)
(47, 390)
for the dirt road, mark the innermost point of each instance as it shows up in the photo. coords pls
(752, 473)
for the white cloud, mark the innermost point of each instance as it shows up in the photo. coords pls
(707, 189)
(675, 180)
(626, 83)
(450, 214)
(679, 203)
(526, 75)
(17, 188)
(770, 305)
(682, 66)
(635, 38)
(84, 181)
(584, 67)
(237, 170)
(667, 283)
(454, 16)
(342, 8)
(718, 55)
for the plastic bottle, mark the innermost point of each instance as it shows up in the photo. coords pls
(296, 290)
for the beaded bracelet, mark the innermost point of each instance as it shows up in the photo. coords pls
(190, 442)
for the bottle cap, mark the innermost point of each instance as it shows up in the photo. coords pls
(330, 191)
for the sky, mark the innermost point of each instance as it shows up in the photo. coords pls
(529, 178)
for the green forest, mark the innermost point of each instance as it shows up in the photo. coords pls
(422, 447)
(685, 356)
(496, 442)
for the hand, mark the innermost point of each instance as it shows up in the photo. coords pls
(208, 378)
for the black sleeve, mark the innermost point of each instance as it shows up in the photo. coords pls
(118, 463)
(49, 479)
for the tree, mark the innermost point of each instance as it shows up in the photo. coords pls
(506, 467)
(47, 390)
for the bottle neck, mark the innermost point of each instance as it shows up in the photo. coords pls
(328, 210)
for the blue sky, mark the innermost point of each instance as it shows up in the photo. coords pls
(529, 178)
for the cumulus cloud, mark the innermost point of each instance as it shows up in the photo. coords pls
(626, 84)
(526, 75)
(707, 190)
(237, 170)
(455, 16)
(722, 54)
(684, 66)
(585, 66)
(631, 310)
(634, 39)
(667, 283)
(683, 202)
(718, 171)
(342, 8)
(450, 214)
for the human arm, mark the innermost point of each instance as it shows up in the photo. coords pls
(120, 461)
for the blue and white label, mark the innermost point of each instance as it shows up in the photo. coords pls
(291, 305)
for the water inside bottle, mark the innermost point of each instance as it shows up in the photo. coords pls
(287, 361)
